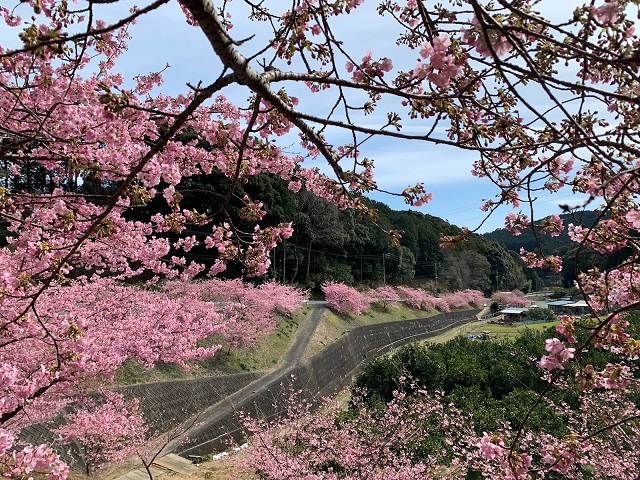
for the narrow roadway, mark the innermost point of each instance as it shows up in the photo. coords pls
(228, 407)
(263, 398)
(303, 337)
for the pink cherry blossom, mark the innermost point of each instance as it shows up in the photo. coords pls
(608, 13)
(106, 143)
(633, 218)
(345, 299)
(477, 38)
(559, 357)
(491, 446)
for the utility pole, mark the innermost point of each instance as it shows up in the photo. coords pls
(284, 262)
(384, 270)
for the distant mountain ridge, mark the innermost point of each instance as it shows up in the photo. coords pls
(562, 246)
(551, 245)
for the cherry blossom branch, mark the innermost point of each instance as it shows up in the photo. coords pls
(81, 36)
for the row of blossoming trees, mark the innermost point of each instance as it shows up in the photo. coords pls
(345, 299)
(243, 313)
(116, 323)
(542, 101)
(512, 299)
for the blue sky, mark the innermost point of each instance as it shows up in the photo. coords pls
(163, 37)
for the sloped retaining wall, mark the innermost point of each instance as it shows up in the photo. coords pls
(164, 404)
(322, 375)
(167, 403)
(218, 399)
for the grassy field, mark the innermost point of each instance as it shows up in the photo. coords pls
(503, 332)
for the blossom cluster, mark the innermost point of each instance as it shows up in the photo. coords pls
(368, 69)
(101, 446)
(514, 298)
(559, 355)
(440, 66)
(373, 444)
(345, 299)
(29, 461)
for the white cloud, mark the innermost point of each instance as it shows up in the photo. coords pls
(163, 36)
(399, 168)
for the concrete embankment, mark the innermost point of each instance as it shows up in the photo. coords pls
(322, 375)
(165, 404)
(217, 400)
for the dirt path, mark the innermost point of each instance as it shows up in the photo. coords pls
(303, 337)
(228, 407)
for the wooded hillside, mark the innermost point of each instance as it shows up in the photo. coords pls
(562, 246)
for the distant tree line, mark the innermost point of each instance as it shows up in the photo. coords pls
(564, 247)
(328, 244)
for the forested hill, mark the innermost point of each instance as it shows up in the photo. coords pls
(327, 244)
(561, 245)
(330, 244)
(477, 263)
(553, 245)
